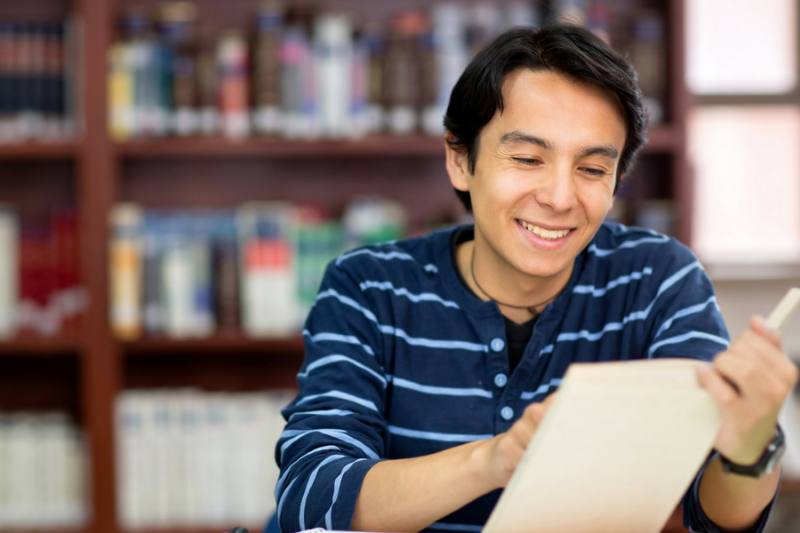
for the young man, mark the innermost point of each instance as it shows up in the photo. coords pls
(428, 360)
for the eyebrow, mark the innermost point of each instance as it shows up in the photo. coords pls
(518, 137)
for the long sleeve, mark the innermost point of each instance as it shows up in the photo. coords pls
(336, 425)
(688, 323)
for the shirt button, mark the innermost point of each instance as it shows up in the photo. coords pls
(507, 413)
(497, 344)
(500, 380)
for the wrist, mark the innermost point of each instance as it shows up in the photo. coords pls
(483, 469)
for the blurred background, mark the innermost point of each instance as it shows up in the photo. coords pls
(175, 176)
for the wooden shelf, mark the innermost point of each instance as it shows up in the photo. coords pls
(219, 343)
(32, 345)
(39, 150)
(373, 146)
(661, 139)
(790, 485)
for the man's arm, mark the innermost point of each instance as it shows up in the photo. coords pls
(411, 494)
(749, 381)
(735, 502)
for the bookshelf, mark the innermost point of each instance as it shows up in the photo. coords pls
(82, 373)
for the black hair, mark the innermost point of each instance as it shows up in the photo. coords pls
(570, 50)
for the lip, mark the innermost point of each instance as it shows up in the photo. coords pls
(545, 244)
(544, 226)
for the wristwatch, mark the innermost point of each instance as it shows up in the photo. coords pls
(765, 464)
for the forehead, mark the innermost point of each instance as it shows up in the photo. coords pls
(545, 100)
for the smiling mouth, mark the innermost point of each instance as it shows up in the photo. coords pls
(550, 235)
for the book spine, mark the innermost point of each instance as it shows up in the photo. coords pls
(126, 271)
(266, 69)
(234, 97)
(9, 271)
(334, 64)
(269, 284)
(121, 92)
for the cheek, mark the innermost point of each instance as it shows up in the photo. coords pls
(596, 200)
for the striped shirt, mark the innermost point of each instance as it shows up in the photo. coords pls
(403, 361)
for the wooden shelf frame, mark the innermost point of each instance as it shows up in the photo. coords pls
(68, 344)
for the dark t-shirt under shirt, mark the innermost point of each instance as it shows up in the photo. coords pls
(517, 335)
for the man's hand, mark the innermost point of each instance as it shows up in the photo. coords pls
(749, 382)
(507, 448)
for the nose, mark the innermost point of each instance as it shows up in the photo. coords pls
(558, 191)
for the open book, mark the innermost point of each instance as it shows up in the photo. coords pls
(618, 448)
(620, 445)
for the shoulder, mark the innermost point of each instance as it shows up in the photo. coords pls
(616, 246)
(414, 258)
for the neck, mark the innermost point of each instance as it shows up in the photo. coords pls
(519, 296)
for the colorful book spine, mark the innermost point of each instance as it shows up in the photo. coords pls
(266, 68)
(234, 96)
(268, 278)
(125, 276)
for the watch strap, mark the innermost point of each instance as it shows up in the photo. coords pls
(766, 464)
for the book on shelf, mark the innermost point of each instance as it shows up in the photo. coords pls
(187, 458)
(40, 290)
(42, 472)
(297, 72)
(255, 269)
(9, 271)
(38, 78)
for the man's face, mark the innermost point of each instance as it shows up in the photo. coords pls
(545, 172)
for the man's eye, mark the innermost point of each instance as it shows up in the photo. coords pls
(595, 172)
(526, 161)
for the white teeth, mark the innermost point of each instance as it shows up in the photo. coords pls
(543, 233)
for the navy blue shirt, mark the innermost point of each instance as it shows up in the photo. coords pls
(402, 360)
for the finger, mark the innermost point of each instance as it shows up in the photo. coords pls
(721, 391)
(757, 384)
(549, 400)
(759, 325)
(754, 345)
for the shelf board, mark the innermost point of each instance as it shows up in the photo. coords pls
(790, 486)
(39, 150)
(372, 146)
(33, 345)
(663, 139)
(218, 343)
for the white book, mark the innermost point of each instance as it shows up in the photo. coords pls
(334, 62)
(9, 271)
(255, 475)
(129, 459)
(620, 445)
(4, 479)
(77, 475)
(190, 435)
(213, 445)
(266, 233)
(176, 503)
(21, 461)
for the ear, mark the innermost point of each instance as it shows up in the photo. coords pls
(457, 167)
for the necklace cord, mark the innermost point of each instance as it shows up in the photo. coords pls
(530, 309)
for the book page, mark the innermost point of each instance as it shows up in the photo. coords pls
(617, 450)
